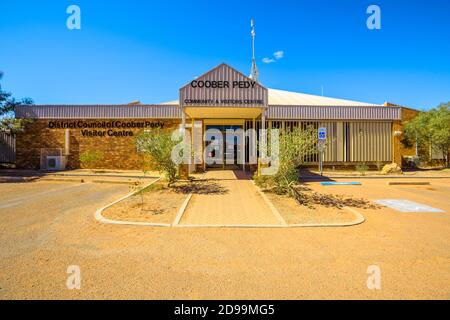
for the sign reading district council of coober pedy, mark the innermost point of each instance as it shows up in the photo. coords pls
(82, 124)
(93, 129)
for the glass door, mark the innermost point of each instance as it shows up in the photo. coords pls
(223, 145)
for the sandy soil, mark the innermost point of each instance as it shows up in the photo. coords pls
(158, 204)
(41, 237)
(293, 213)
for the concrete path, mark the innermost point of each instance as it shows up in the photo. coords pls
(236, 201)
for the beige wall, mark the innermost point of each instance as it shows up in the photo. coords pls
(399, 149)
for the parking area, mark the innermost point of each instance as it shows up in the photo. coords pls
(45, 227)
(31, 213)
(436, 194)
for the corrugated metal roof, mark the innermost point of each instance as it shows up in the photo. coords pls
(289, 98)
(173, 102)
(282, 105)
(174, 112)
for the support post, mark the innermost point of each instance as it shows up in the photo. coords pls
(183, 168)
(243, 146)
(263, 138)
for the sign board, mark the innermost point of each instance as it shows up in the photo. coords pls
(223, 86)
(322, 134)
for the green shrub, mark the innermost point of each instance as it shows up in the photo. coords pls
(379, 165)
(158, 145)
(91, 159)
(295, 145)
(362, 168)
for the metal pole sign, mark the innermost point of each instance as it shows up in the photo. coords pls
(322, 135)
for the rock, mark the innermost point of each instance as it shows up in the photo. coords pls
(392, 168)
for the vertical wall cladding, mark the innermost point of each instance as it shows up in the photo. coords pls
(370, 141)
(7, 147)
(346, 141)
(223, 73)
(119, 152)
(331, 149)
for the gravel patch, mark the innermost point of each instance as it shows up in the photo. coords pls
(293, 213)
(156, 204)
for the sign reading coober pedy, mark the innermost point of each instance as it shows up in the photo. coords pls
(223, 84)
(223, 87)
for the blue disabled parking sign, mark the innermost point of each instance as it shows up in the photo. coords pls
(321, 146)
(322, 133)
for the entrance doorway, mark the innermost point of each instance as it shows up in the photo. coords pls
(224, 146)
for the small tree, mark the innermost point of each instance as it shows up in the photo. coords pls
(295, 146)
(158, 145)
(8, 122)
(432, 129)
(91, 158)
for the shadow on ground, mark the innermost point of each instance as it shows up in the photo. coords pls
(308, 198)
(309, 176)
(210, 187)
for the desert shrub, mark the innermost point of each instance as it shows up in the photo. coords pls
(158, 145)
(362, 168)
(91, 159)
(308, 198)
(295, 145)
(379, 165)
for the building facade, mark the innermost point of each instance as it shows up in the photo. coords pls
(221, 99)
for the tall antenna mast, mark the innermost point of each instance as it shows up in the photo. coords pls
(254, 73)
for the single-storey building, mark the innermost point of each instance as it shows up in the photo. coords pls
(222, 98)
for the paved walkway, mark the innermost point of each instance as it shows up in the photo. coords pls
(235, 201)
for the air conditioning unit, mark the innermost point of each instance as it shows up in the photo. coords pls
(55, 163)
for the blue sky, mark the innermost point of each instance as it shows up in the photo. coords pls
(146, 50)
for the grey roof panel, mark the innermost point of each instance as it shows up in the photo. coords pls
(334, 113)
(174, 112)
(98, 111)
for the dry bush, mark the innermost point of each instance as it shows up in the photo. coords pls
(308, 198)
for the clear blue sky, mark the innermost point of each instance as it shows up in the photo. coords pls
(146, 50)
